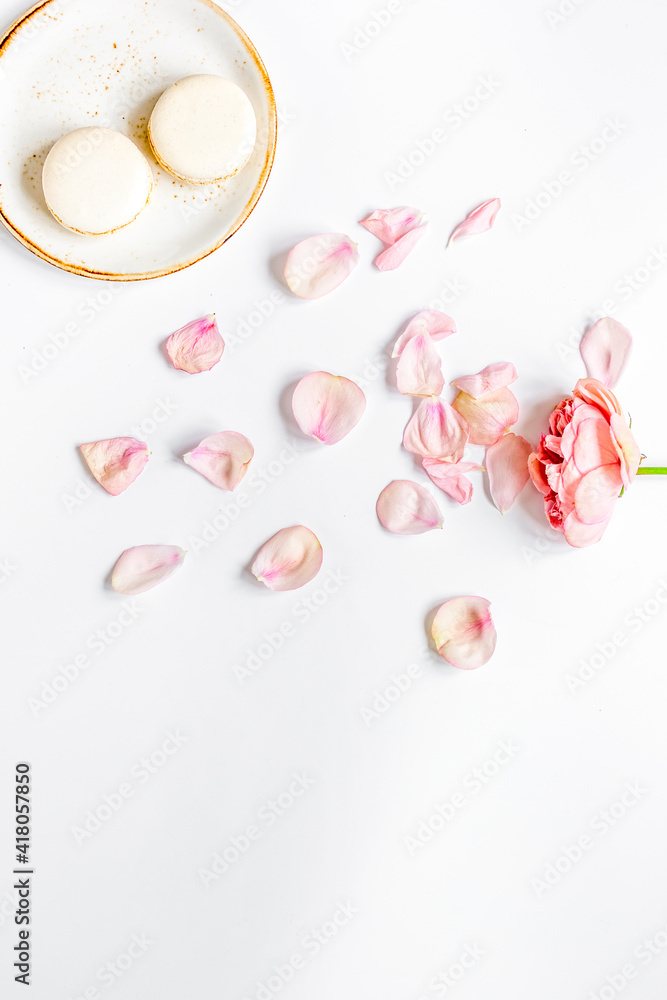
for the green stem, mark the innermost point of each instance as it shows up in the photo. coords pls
(652, 470)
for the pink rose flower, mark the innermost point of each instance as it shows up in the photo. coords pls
(584, 462)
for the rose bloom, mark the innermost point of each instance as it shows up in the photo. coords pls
(584, 462)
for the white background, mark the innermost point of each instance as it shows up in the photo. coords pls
(526, 291)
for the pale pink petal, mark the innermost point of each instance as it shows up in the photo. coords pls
(318, 265)
(450, 477)
(605, 348)
(289, 560)
(436, 324)
(419, 369)
(222, 458)
(490, 416)
(394, 255)
(597, 493)
(493, 377)
(593, 392)
(579, 535)
(143, 567)
(390, 224)
(626, 447)
(507, 465)
(327, 407)
(478, 221)
(196, 347)
(436, 430)
(116, 462)
(464, 633)
(406, 508)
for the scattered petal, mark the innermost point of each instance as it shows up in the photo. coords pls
(451, 478)
(490, 416)
(143, 567)
(478, 221)
(116, 462)
(419, 369)
(406, 508)
(436, 430)
(394, 255)
(436, 324)
(318, 265)
(493, 377)
(196, 347)
(222, 458)
(605, 348)
(390, 224)
(327, 407)
(464, 633)
(289, 560)
(507, 465)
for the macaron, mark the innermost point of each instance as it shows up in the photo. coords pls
(96, 181)
(203, 129)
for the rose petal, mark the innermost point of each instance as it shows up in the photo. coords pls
(580, 535)
(406, 508)
(394, 255)
(318, 265)
(143, 567)
(436, 324)
(419, 369)
(390, 224)
(464, 633)
(593, 392)
(327, 407)
(626, 447)
(478, 221)
(597, 493)
(196, 347)
(116, 462)
(493, 377)
(222, 458)
(450, 477)
(289, 560)
(490, 416)
(605, 348)
(507, 465)
(436, 430)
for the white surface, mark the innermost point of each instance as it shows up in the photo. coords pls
(521, 296)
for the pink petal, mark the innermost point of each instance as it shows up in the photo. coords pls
(143, 567)
(605, 348)
(196, 347)
(436, 430)
(626, 447)
(406, 508)
(579, 535)
(394, 255)
(507, 465)
(419, 369)
(116, 462)
(492, 377)
(327, 407)
(478, 221)
(490, 416)
(593, 392)
(222, 458)
(390, 224)
(436, 324)
(319, 264)
(597, 493)
(450, 478)
(289, 560)
(464, 633)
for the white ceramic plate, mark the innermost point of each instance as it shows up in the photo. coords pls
(70, 63)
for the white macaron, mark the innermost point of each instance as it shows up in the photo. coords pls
(203, 129)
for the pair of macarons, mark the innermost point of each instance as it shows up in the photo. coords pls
(202, 130)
